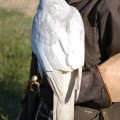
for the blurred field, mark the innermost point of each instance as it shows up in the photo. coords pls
(26, 6)
(15, 53)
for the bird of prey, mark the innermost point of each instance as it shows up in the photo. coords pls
(58, 43)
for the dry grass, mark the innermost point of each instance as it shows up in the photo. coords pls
(15, 53)
(26, 6)
(15, 57)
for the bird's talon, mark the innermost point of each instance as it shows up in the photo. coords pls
(32, 82)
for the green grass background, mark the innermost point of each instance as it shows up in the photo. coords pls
(15, 58)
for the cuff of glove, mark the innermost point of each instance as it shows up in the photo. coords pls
(93, 89)
(110, 73)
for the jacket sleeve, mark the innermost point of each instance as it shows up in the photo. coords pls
(110, 31)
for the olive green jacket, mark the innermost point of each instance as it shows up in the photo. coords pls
(102, 25)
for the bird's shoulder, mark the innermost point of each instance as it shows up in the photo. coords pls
(75, 13)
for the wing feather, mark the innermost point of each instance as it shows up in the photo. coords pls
(58, 48)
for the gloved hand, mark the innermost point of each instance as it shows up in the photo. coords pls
(93, 91)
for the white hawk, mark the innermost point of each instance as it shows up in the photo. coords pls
(58, 43)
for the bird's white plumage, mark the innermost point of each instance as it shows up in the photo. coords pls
(58, 43)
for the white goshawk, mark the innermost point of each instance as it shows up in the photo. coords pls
(58, 43)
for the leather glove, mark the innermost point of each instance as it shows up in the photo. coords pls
(93, 91)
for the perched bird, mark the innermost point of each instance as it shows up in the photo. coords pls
(58, 43)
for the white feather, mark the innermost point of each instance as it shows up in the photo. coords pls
(58, 43)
